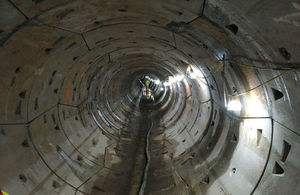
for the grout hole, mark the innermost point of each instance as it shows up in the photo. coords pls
(233, 28)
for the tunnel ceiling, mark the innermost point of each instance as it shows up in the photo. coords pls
(219, 115)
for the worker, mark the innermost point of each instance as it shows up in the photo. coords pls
(148, 94)
(3, 193)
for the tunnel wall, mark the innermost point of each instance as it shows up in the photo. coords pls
(53, 139)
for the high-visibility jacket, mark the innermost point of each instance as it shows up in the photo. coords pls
(3, 193)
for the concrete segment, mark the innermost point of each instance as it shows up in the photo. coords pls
(73, 119)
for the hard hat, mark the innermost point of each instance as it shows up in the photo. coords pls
(3, 193)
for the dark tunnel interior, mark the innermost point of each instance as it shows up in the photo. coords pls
(179, 97)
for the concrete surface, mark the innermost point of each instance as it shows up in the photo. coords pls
(73, 119)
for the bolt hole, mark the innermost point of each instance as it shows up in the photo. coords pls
(284, 53)
(277, 169)
(233, 28)
(277, 94)
(17, 70)
(79, 158)
(122, 10)
(234, 138)
(285, 151)
(22, 94)
(55, 184)
(47, 50)
(25, 143)
(94, 142)
(205, 180)
(22, 178)
(3, 132)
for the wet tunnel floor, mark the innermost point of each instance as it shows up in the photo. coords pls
(127, 175)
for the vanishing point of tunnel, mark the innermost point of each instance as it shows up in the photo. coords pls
(149, 97)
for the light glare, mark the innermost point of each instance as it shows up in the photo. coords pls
(234, 105)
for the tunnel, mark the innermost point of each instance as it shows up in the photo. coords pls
(179, 97)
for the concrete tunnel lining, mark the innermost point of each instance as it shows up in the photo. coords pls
(73, 120)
